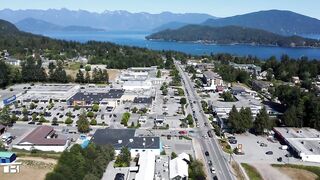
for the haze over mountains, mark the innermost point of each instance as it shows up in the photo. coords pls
(108, 20)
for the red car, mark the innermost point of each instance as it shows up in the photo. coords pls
(183, 132)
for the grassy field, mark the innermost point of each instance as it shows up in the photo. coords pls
(313, 169)
(251, 171)
(237, 170)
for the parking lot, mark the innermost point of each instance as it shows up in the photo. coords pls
(254, 152)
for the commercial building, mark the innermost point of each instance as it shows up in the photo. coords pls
(7, 157)
(120, 138)
(261, 86)
(146, 166)
(211, 80)
(42, 138)
(112, 98)
(249, 68)
(44, 92)
(303, 141)
(179, 167)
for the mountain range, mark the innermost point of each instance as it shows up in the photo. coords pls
(40, 26)
(232, 35)
(108, 20)
(276, 21)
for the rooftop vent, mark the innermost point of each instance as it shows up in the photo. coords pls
(131, 140)
(119, 141)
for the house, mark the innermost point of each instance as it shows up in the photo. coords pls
(178, 167)
(261, 86)
(142, 119)
(43, 138)
(295, 80)
(120, 138)
(7, 157)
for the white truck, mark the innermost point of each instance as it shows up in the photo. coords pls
(284, 147)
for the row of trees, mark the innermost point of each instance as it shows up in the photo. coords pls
(87, 164)
(242, 121)
(32, 71)
(98, 76)
(302, 109)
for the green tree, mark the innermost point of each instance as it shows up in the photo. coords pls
(87, 68)
(42, 119)
(90, 114)
(80, 77)
(105, 76)
(68, 121)
(234, 120)
(158, 74)
(290, 117)
(183, 101)
(173, 155)
(134, 109)
(93, 122)
(5, 118)
(95, 108)
(83, 123)
(124, 158)
(87, 78)
(125, 118)
(261, 122)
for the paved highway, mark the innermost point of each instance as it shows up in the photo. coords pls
(216, 155)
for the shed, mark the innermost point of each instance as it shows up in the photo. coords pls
(7, 157)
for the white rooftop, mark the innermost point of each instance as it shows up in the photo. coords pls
(146, 166)
(178, 168)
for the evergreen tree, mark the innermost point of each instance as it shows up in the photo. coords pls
(105, 76)
(234, 120)
(80, 77)
(83, 123)
(87, 78)
(290, 117)
(261, 122)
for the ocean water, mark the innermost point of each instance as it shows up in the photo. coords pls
(138, 39)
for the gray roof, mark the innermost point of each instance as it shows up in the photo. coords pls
(210, 75)
(119, 138)
(97, 97)
(142, 100)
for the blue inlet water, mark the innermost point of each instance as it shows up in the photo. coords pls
(138, 39)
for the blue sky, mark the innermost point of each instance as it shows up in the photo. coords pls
(220, 8)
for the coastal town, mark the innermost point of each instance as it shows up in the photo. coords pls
(159, 90)
(164, 120)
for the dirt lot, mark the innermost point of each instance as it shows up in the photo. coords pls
(31, 168)
(297, 174)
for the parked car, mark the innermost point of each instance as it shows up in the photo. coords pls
(269, 152)
(210, 163)
(263, 145)
(279, 159)
(39, 123)
(119, 176)
(31, 122)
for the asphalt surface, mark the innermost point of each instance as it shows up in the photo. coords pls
(216, 155)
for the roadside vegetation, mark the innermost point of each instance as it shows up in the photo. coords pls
(313, 169)
(251, 171)
(78, 163)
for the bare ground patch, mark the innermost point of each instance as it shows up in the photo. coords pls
(298, 174)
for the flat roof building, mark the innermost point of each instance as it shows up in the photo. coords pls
(305, 142)
(146, 165)
(89, 98)
(7, 157)
(120, 138)
(179, 167)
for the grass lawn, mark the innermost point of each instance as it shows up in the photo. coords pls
(313, 169)
(251, 171)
